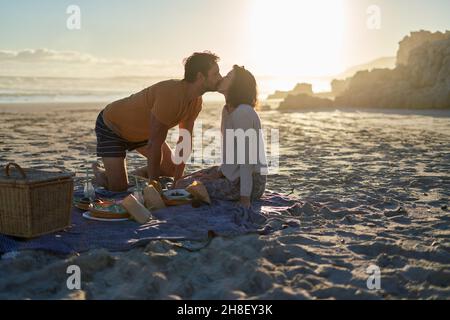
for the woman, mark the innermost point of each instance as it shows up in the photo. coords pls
(241, 180)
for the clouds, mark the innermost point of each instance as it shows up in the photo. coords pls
(45, 55)
(46, 62)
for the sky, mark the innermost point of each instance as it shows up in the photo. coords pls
(283, 38)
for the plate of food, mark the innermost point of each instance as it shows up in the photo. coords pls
(108, 210)
(88, 215)
(177, 194)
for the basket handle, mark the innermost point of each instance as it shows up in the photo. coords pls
(17, 167)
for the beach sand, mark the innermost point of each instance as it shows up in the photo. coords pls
(376, 187)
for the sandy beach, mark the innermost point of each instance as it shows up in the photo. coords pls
(376, 188)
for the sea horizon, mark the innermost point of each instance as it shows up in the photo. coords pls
(41, 89)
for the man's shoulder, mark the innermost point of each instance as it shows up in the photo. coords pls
(168, 90)
(167, 84)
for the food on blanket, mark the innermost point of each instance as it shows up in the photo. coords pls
(157, 185)
(152, 198)
(166, 182)
(108, 210)
(198, 190)
(88, 216)
(177, 197)
(136, 209)
(177, 194)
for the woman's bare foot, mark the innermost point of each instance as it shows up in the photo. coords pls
(101, 179)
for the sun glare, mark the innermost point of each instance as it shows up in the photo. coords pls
(297, 37)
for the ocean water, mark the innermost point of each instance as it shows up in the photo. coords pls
(19, 89)
(51, 89)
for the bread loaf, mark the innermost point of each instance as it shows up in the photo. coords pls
(152, 199)
(198, 190)
(136, 209)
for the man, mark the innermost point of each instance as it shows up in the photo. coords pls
(141, 122)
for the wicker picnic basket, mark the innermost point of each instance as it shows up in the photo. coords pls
(34, 202)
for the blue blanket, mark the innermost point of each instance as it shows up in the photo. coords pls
(175, 223)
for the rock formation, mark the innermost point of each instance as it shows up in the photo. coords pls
(422, 82)
(417, 39)
(300, 88)
(305, 101)
(421, 79)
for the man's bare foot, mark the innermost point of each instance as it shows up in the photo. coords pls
(101, 179)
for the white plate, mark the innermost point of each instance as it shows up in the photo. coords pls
(88, 216)
(184, 194)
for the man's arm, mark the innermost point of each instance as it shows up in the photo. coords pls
(189, 126)
(158, 135)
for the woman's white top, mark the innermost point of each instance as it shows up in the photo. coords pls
(243, 150)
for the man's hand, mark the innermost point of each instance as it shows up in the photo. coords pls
(187, 125)
(179, 171)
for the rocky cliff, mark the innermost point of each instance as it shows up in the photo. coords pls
(415, 40)
(423, 81)
(300, 88)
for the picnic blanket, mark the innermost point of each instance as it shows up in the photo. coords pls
(182, 223)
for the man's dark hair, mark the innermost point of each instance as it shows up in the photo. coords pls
(198, 62)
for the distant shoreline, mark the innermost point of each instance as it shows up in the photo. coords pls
(71, 106)
(399, 111)
(15, 107)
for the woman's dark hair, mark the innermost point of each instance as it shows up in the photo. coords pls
(243, 88)
(198, 62)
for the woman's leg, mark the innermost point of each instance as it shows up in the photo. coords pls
(200, 175)
(223, 189)
(259, 186)
(218, 188)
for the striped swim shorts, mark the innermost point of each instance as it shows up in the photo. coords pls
(109, 144)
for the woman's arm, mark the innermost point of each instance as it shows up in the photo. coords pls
(246, 178)
(244, 120)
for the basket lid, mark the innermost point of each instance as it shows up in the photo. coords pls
(14, 174)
